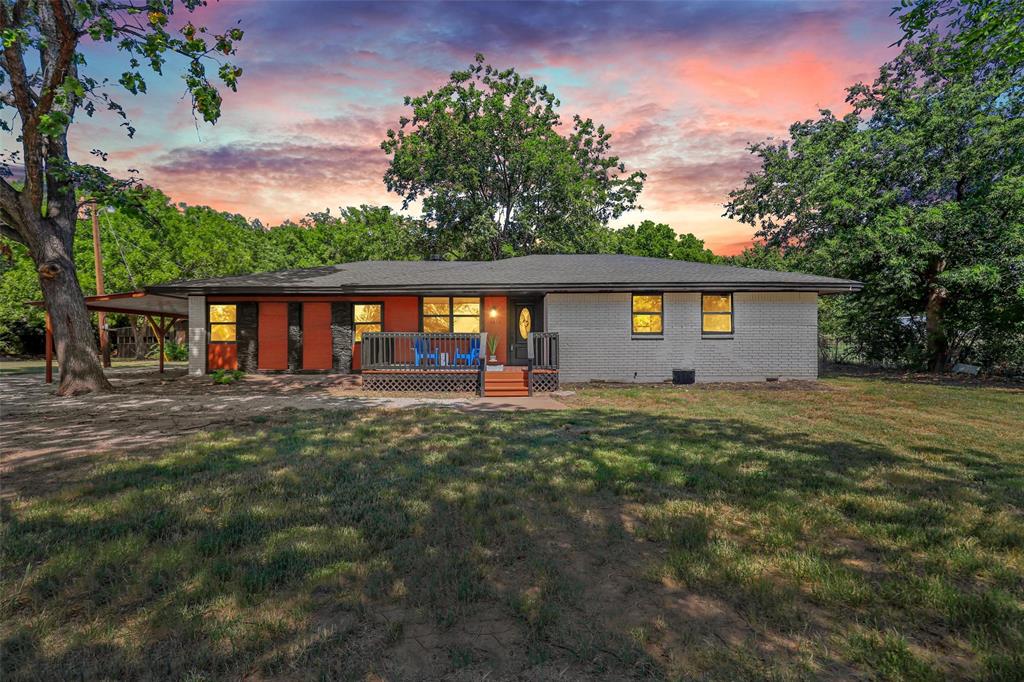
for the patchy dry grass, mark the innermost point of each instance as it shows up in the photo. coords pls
(857, 527)
(11, 367)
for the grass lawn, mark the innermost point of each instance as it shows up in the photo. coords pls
(863, 527)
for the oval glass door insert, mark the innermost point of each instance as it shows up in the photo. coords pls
(524, 323)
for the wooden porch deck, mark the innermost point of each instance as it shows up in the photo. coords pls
(411, 361)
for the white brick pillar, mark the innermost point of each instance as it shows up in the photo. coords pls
(196, 335)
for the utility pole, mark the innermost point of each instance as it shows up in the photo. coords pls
(98, 260)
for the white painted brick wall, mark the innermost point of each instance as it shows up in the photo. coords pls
(197, 335)
(775, 335)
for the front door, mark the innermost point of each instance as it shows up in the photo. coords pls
(525, 318)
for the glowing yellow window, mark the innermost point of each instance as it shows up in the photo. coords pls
(466, 315)
(716, 314)
(368, 317)
(647, 314)
(436, 311)
(467, 325)
(466, 306)
(443, 314)
(436, 324)
(222, 322)
(435, 306)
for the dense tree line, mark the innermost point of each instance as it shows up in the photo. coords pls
(158, 241)
(918, 192)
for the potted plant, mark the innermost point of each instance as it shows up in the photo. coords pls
(492, 351)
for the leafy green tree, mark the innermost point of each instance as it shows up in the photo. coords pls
(365, 233)
(45, 79)
(658, 240)
(763, 257)
(19, 283)
(917, 192)
(152, 240)
(496, 177)
(356, 233)
(984, 34)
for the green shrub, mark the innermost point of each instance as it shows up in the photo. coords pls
(227, 376)
(173, 351)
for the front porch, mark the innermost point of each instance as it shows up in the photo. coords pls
(422, 361)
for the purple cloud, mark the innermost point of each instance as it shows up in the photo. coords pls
(683, 87)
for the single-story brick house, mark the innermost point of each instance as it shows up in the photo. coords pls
(548, 318)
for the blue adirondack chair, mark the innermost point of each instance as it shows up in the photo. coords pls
(422, 350)
(472, 356)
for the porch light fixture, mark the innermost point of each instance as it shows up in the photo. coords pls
(494, 312)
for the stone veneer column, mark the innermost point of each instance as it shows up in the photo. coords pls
(196, 335)
(341, 336)
(248, 336)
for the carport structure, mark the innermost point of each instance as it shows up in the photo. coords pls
(160, 310)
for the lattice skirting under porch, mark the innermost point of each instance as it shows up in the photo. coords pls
(424, 382)
(545, 382)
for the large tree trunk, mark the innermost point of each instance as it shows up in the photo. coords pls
(42, 213)
(80, 369)
(935, 328)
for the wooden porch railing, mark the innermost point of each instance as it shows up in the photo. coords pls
(422, 351)
(542, 350)
(430, 352)
(541, 353)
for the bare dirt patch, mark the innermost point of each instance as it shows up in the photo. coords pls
(46, 439)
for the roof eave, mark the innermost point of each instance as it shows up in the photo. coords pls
(837, 287)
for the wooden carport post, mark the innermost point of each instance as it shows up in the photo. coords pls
(49, 349)
(160, 331)
(97, 258)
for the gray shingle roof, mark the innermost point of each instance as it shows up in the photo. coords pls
(540, 273)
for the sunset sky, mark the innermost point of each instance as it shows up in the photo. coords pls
(683, 87)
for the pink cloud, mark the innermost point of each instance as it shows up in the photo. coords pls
(273, 181)
(789, 87)
(733, 248)
(700, 183)
(683, 88)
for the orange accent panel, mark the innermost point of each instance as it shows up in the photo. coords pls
(401, 313)
(221, 356)
(316, 336)
(273, 336)
(497, 326)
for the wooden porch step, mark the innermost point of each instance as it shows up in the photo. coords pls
(517, 392)
(505, 376)
(511, 383)
(505, 381)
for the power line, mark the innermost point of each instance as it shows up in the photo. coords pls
(124, 260)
